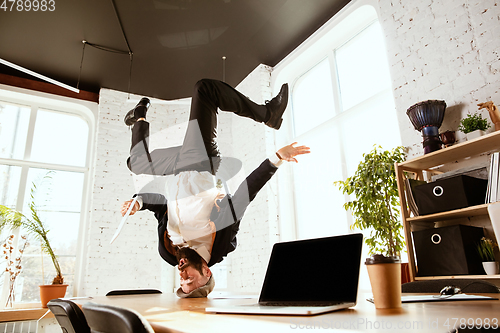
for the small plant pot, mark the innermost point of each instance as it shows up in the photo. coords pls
(51, 291)
(491, 267)
(385, 280)
(474, 135)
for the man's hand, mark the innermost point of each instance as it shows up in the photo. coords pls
(289, 152)
(125, 206)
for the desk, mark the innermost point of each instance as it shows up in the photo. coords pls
(167, 313)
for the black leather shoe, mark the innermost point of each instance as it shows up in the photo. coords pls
(277, 107)
(138, 112)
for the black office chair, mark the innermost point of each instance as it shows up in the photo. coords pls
(133, 292)
(435, 286)
(110, 319)
(69, 316)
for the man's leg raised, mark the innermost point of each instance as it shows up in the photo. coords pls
(210, 95)
(158, 162)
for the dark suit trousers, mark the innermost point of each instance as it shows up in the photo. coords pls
(199, 150)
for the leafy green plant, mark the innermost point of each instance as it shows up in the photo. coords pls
(485, 249)
(34, 226)
(9, 217)
(377, 206)
(473, 122)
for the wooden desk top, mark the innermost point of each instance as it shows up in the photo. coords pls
(167, 313)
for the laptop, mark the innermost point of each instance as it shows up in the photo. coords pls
(308, 277)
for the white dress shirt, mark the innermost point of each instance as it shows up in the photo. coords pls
(191, 196)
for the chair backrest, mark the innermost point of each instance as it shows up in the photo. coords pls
(133, 292)
(111, 319)
(435, 286)
(69, 316)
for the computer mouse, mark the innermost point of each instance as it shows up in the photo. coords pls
(450, 290)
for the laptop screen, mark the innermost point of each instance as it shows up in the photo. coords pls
(316, 270)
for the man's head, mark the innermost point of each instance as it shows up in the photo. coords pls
(196, 277)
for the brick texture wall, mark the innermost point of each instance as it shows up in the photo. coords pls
(132, 261)
(442, 49)
(252, 142)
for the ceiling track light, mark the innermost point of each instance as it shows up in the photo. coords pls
(40, 76)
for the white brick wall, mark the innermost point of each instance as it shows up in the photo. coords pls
(442, 49)
(437, 49)
(447, 50)
(132, 261)
(249, 261)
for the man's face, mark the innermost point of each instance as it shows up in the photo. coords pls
(193, 270)
(191, 278)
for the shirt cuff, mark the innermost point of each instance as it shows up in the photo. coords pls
(140, 202)
(275, 160)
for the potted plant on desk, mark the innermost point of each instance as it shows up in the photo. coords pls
(473, 126)
(36, 228)
(485, 249)
(376, 208)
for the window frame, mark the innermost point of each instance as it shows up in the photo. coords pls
(86, 110)
(338, 31)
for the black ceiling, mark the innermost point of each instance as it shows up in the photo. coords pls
(174, 42)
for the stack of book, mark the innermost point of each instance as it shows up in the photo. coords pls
(410, 198)
(493, 190)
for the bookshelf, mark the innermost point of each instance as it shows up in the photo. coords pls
(429, 162)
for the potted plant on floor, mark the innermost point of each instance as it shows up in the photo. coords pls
(376, 208)
(473, 125)
(485, 248)
(36, 228)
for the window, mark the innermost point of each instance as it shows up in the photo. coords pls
(362, 67)
(313, 92)
(342, 105)
(44, 143)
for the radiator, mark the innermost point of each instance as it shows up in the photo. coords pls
(19, 327)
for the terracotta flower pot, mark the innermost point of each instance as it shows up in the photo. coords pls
(51, 291)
